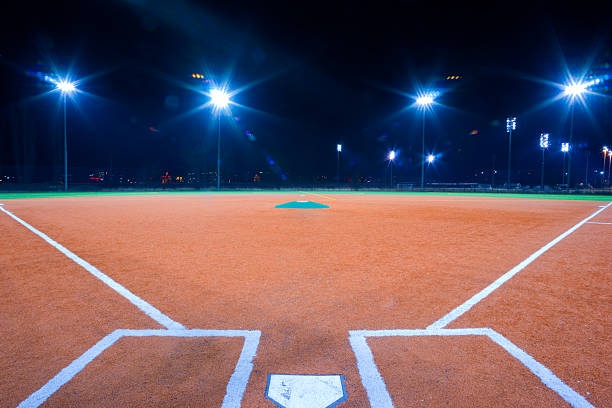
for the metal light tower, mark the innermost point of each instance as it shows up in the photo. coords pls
(565, 147)
(510, 126)
(424, 102)
(544, 144)
(220, 100)
(391, 157)
(65, 87)
(338, 150)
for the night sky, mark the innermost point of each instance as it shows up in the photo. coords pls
(315, 74)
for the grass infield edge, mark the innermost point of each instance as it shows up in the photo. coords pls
(34, 195)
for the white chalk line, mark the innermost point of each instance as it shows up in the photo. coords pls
(61, 378)
(235, 387)
(600, 223)
(141, 304)
(458, 311)
(377, 392)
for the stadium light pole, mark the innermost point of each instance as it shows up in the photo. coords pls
(564, 149)
(65, 87)
(604, 150)
(544, 144)
(220, 100)
(430, 159)
(391, 157)
(573, 90)
(609, 166)
(338, 150)
(424, 102)
(510, 126)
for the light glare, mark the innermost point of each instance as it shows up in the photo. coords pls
(219, 98)
(431, 158)
(339, 147)
(392, 155)
(65, 86)
(425, 100)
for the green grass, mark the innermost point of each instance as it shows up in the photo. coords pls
(584, 197)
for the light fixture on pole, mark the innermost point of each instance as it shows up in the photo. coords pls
(220, 100)
(338, 150)
(510, 126)
(65, 87)
(544, 144)
(424, 102)
(392, 155)
(565, 147)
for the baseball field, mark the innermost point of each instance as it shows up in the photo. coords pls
(374, 300)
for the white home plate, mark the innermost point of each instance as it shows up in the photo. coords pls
(306, 391)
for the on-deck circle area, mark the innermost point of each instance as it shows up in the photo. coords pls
(305, 300)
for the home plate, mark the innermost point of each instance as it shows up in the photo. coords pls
(306, 391)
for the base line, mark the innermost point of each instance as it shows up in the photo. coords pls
(600, 223)
(147, 308)
(458, 311)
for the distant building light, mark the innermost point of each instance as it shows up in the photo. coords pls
(565, 147)
(339, 147)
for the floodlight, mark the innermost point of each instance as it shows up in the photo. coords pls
(574, 89)
(339, 147)
(65, 86)
(544, 142)
(431, 158)
(219, 98)
(425, 100)
(565, 147)
(392, 155)
(604, 149)
(510, 124)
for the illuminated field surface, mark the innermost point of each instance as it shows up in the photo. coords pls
(379, 300)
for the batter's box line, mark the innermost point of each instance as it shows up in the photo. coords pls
(376, 388)
(235, 387)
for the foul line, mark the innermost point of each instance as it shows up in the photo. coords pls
(377, 391)
(600, 223)
(147, 308)
(454, 314)
(235, 387)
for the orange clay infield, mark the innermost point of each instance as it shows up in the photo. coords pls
(305, 278)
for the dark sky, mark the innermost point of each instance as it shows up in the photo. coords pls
(324, 73)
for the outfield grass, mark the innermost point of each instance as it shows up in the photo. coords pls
(28, 195)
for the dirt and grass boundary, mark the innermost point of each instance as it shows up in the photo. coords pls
(30, 195)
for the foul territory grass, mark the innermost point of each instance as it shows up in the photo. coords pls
(26, 195)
